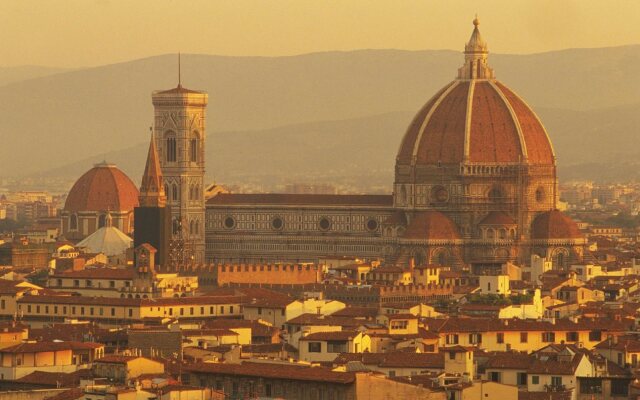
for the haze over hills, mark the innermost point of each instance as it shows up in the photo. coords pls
(21, 73)
(363, 150)
(324, 114)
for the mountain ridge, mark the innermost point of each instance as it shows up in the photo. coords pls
(81, 114)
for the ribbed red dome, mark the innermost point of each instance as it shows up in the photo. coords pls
(496, 127)
(103, 188)
(431, 225)
(554, 225)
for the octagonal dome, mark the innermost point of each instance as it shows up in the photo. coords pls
(103, 188)
(475, 119)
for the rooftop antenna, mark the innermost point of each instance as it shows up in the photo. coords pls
(179, 72)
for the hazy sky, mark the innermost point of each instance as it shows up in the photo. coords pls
(76, 33)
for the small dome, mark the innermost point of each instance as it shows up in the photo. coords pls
(431, 225)
(497, 218)
(103, 188)
(554, 225)
(107, 240)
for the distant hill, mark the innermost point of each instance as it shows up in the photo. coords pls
(361, 151)
(586, 98)
(25, 72)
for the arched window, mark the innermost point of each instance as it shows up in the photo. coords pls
(196, 192)
(403, 194)
(440, 258)
(192, 227)
(166, 192)
(73, 222)
(102, 220)
(171, 149)
(193, 150)
(561, 259)
(176, 226)
(419, 258)
(174, 192)
(197, 227)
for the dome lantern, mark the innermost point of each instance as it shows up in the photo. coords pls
(475, 57)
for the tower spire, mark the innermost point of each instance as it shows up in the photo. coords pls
(179, 72)
(475, 57)
(152, 188)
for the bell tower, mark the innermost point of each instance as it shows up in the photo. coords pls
(179, 133)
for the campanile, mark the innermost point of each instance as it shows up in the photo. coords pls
(179, 132)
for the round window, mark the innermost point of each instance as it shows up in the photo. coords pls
(229, 223)
(324, 224)
(372, 224)
(277, 223)
(440, 194)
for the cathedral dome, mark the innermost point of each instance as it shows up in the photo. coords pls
(554, 225)
(475, 119)
(431, 225)
(103, 188)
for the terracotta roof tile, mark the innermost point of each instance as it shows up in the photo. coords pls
(102, 188)
(497, 115)
(431, 225)
(98, 273)
(539, 148)
(369, 200)
(494, 136)
(357, 312)
(325, 336)
(509, 360)
(56, 379)
(274, 371)
(49, 346)
(497, 218)
(395, 359)
(554, 225)
(71, 394)
(324, 320)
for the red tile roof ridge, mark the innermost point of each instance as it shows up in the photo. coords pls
(302, 199)
(45, 346)
(274, 371)
(332, 335)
